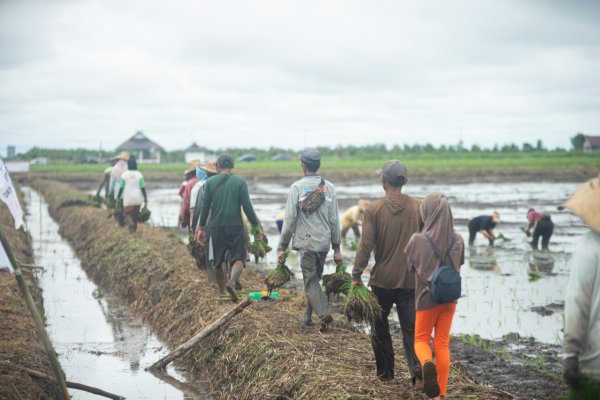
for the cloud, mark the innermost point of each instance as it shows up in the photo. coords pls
(290, 74)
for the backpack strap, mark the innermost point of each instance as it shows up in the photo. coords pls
(435, 249)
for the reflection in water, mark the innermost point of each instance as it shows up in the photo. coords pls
(484, 259)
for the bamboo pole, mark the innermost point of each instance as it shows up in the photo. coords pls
(75, 385)
(204, 333)
(60, 379)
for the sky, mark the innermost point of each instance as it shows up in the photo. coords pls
(292, 74)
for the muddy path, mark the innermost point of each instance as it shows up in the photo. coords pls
(20, 345)
(263, 352)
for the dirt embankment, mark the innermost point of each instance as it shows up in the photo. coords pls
(20, 345)
(261, 353)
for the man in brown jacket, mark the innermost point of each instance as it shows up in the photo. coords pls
(388, 225)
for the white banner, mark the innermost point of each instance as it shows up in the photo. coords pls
(9, 196)
(4, 261)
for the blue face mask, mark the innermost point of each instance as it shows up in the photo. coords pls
(200, 174)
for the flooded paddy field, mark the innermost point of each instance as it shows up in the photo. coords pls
(99, 341)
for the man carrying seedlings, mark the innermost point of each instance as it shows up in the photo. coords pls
(581, 344)
(484, 224)
(225, 195)
(311, 219)
(389, 223)
(133, 190)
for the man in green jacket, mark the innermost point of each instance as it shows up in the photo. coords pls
(225, 195)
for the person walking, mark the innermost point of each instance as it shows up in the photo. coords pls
(542, 225)
(116, 171)
(186, 194)
(485, 225)
(225, 195)
(389, 223)
(353, 217)
(311, 229)
(581, 344)
(437, 243)
(132, 190)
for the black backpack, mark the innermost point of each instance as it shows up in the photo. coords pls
(445, 285)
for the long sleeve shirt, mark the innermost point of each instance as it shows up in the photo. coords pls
(316, 231)
(184, 212)
(224, 196)
(388, 225)
(582, 305)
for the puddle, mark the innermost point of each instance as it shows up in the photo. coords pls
(99, 342)
(500, 285)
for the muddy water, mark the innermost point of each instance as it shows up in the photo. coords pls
(501, 285)
(99, 342)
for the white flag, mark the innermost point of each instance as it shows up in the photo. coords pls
(9, 195)
(4, 261)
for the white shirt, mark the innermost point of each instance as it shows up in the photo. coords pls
(132, 183)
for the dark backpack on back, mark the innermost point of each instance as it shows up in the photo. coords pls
(445, 283)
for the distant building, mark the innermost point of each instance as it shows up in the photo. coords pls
(144, 149)
(195, 152)
(247, 158)
(10, 152)
(591, 143)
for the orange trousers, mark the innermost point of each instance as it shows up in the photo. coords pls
(439, 319)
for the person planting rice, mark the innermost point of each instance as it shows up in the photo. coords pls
(581, 344)
(115, 176)
(133, 189)
(353, 217)
(542, 225)
(225, 195)
(438, 244)
(311, 219)
(389, 222)
(485, 225)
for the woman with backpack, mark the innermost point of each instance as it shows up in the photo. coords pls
(435, 255)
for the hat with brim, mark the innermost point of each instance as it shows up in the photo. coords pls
(209, 167)
(585, 203)
(124, 155)
(192, 167)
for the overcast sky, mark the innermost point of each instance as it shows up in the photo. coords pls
(291, 74)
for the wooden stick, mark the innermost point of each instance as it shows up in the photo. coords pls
(204, 333)
(74, 385)
(60, 379)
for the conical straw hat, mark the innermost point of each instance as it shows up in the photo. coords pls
(585, 203)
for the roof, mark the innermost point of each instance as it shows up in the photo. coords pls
(594, 140)
(139, 141)
(194, 148)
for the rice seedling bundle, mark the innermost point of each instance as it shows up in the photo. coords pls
(278, 277)
(362, 305)
(144, 215)
(338, 282)
(259, 248)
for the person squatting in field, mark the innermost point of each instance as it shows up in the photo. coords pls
(485, 225)
(353, 217)
(424, 258)
(389, 223)
(581, 344)
(312, 232)
(542, 225)
(225, 195)
(132, 190)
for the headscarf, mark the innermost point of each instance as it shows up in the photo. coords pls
(132, 164)
(438, 221)
(202, 176)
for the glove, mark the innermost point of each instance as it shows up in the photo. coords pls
(571, 372)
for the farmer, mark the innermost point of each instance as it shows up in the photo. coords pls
(105, 183)
(203, 172)
(132, 190)
(225, 195)
(484, 224)
(581, 344)
(191, 180)
(389, 223)
(542, 225)
(115, 176)
(313, 230)
(354, 217)
(423, 258)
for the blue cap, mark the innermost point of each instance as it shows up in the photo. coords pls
(310, 155)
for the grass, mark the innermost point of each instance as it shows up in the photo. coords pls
(420, 164)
